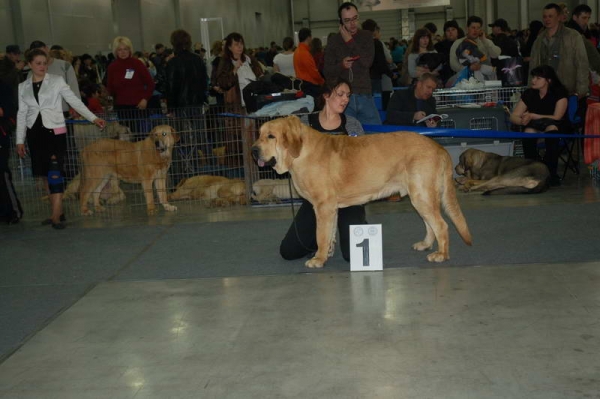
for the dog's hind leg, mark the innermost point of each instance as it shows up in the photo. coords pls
(428, 206)
(98, 191)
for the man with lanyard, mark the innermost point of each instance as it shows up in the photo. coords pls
(562, 49)
(349, 55)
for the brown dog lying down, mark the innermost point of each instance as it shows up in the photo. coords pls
(146, 162)
(214, 190)
(496, 174)
(273, 190)
(111, 193)
(334, 172)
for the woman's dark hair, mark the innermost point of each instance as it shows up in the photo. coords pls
(233, 37)
(288, 43)
(90, 89)
(414, 44)
(328, 88)
(548, 73)
(316, 46)
(31, 54)
(181, 40)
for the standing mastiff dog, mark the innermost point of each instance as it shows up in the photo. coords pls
(334, 172)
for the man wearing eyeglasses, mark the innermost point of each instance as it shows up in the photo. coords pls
(349, 55)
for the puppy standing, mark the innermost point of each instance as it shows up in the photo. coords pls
(334, 172)
(146, 162)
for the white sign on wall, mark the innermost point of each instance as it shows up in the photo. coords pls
(366, 252)
(379, 5)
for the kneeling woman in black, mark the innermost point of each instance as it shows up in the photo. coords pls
(301, 239)
(543, 108)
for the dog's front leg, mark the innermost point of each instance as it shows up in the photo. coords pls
(326, 215)
(149, 195)
(161, 189)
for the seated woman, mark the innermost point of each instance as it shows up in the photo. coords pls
(301, 239)
(543, 108)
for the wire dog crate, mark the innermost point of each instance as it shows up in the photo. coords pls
(507, 96)
(209, 146)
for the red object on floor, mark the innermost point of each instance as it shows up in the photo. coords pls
(591, 147)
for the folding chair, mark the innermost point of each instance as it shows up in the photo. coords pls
(571, 148)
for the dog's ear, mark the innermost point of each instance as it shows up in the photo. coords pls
(174, 134)
(290, 135)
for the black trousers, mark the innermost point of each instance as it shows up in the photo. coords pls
(551, 155)
(301, 238)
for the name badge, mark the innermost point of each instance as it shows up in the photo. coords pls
(129, 73)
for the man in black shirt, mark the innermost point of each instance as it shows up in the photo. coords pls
(508, 45)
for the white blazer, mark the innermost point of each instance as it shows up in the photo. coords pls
(53, 90)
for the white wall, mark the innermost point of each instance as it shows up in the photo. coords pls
(91, 25)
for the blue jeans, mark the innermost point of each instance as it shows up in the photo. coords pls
(362, 107)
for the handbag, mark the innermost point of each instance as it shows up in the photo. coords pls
(511, 72)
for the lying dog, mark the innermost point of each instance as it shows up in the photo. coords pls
(334, 172)
(496, 174)
(111, 193)
(215, 190)
(273, 190)
(145, 162)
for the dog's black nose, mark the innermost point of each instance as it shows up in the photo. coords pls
(255, 152)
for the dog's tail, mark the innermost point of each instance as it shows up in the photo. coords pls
(451, 206)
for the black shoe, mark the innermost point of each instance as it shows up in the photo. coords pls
(46, 222)
(555, 181)
(59, 226)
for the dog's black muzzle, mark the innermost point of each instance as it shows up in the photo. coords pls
(256, 155)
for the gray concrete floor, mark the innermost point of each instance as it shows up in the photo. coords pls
(513, 331)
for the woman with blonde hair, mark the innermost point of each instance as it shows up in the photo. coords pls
(129, 81)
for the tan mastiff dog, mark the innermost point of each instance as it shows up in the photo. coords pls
(334, 172)
(146, 162)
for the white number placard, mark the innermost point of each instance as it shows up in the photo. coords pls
(365, 247)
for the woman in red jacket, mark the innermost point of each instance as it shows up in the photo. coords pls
(129, 81)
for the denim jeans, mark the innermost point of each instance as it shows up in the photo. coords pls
(362, 107)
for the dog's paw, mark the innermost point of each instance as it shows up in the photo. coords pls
(421, 246)
(461, 179)
(465, 188)
(99, 208)
(437, 257)
(315, 263)
(86, 212)
(169, 207)
(151, 211)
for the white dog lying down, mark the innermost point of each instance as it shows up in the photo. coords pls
(273, 190)
(214, 190)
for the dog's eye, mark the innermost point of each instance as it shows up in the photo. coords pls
(164, 134)
(270, 136)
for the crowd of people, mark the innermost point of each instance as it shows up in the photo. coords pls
(561, 51)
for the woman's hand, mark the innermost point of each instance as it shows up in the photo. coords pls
(525, 118)
(142, 104)
(101, 123)
(21, 150)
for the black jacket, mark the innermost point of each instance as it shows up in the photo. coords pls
(186, 80)
(404, 104)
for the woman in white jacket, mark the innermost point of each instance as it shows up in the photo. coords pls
(40, 120)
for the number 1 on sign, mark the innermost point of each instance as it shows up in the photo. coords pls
(365, 247)
(364, 244)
